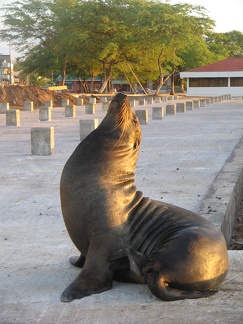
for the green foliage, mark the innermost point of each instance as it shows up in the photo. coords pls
(137, 38)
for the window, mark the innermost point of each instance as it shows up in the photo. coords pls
(208, 82)
(236, 82)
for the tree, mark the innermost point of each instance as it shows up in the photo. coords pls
(224, 45)
(140, 39)
(170, 28)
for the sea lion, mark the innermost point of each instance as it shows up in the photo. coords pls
(124, 236)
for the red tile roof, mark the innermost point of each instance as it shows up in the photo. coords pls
(227, 65)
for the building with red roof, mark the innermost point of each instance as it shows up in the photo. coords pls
(219, 78)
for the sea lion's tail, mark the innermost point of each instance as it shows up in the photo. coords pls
(162, 290)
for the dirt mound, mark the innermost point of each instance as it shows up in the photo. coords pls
(17, 95)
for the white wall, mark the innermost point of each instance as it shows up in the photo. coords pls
(211, 91)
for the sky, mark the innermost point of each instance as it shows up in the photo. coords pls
(226, 14)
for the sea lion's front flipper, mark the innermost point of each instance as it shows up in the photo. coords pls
(94, 278)
(77, 261)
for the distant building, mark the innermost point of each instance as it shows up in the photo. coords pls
(6, 70)
(219, 78)
(76, 85)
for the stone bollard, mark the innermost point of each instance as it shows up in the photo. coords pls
(196, 103)
(92, 100)
(158, 113)
(13, 117)
(45, 113)
(42, 140)
(103, 99)
(28, 106)
(170, 109)
(142, 102)
(202, 103)
(142, 116)
(181, 107)
(105, 106)
(87, 126)
(80, 101)
(157, 100)
(189, 105)
(70, 111)
(65, 102)
(150, 101)
(48, 103)
(4, 106)
(90, 108)
(133, 102)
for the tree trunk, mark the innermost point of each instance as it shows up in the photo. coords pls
(126, 76)
(92, 83)
(144, 91)
(64, 68)
(172, 91)
(107, 79)
(161, 75)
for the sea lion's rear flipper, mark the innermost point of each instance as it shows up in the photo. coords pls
(77, 261)
(161, 289)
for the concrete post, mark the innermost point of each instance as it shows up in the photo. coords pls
(65, 102)
(87, 126)
(180, 107)
(150, 101)
(92, 100)
(4, 106)
(105, 106)
(42, 140)
(45, 113)
(13, 117)
(49, 103)
(80, 101)
(70, 111)
(189, 105)
(158, 113)
(202, 102)
(90, 108)
(170, 109)
(142, 116)
(133, 102)
(196, 103)
(103, 99)
(142, 102)
(28, 106)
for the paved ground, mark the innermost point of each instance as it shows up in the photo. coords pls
(189, 160)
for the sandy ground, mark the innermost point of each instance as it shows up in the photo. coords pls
(180, 161)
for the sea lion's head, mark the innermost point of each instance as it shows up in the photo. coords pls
(121, 124)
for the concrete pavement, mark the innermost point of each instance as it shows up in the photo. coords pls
(190, 160)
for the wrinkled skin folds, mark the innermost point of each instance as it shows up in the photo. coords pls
(122, 235)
